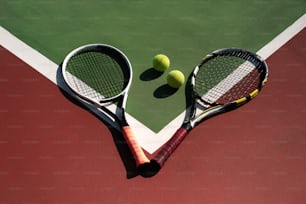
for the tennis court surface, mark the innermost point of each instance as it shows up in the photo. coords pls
(53, 151)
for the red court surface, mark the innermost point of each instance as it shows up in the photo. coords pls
(53, 151)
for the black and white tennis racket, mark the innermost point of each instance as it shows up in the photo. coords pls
(101, 75)
(224, 80)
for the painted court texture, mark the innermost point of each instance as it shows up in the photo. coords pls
(142, 29)
(257, 156)
(53, 151)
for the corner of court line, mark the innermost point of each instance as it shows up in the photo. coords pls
(148, 139)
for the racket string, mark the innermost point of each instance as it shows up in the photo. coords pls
(106, 73)
(224, 79)
(96, 75)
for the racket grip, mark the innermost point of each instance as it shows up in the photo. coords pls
(169, 147)
(135, 148)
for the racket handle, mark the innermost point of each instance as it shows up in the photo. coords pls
(168, 148)
(135, 148)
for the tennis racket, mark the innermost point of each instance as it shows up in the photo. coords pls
(224, 80)
(101, 75)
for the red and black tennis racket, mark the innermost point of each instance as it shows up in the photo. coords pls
(101, 75)
(223, 81)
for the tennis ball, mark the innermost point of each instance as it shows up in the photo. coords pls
(175, 79)
(161, 62)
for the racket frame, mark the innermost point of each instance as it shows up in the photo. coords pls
(106, 105)
(208, 110)
(90, 47)
(200, 110)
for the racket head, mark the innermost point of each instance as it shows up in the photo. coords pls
(229, 76)
(98, 73)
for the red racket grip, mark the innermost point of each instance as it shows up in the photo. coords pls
(168, 148)
(135, 148)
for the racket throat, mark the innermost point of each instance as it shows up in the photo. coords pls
(188, 126)
(121, 117)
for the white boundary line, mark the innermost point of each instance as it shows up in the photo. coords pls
(30, 56)
(283, 37)
(148, 139)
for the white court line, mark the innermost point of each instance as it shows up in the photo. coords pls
(148, 139)
(283, 37)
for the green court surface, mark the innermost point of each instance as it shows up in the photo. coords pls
(183, 30)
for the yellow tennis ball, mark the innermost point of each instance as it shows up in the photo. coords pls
(161, 62)
(175, 79)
